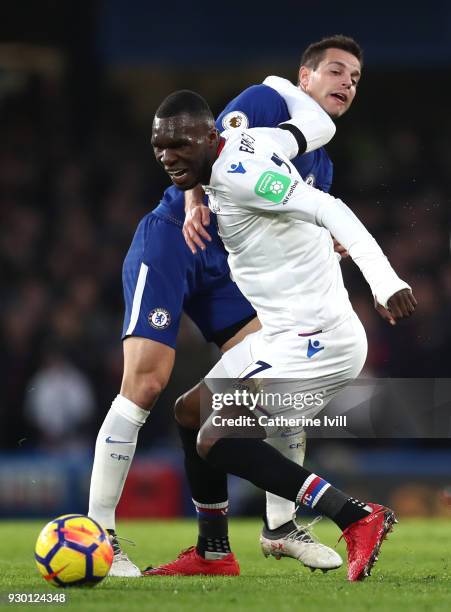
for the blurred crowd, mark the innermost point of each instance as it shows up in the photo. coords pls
(72, 189)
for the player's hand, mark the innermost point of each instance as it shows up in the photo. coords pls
(196, 219)
(338, 248)
(400, 305)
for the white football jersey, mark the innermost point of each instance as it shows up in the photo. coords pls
(277, 231)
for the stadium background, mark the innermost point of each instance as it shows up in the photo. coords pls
(79, 83)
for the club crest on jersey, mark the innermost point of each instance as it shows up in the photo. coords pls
(159, 318)
(237, 169)
(272, 186)
(235, 119)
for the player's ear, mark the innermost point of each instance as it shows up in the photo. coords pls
(304, 77)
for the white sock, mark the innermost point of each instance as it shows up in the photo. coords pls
(115, 447)
(292, 446)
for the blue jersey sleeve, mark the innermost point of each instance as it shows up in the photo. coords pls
(256, 106)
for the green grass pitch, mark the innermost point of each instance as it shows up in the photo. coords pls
(413, 573)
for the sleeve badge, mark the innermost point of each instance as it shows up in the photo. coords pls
(235, 119)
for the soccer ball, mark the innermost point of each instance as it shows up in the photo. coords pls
(73, 550)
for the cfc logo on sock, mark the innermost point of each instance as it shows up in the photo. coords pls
(119, 457)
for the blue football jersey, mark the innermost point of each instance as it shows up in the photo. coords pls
(256, 106)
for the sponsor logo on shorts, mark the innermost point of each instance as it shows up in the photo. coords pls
(272, 186)
(235, 119)
(159, 318)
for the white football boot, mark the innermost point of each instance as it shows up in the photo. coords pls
(298, 542)
(121, 567)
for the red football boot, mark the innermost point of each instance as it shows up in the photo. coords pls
(364, 539)
(190, 563)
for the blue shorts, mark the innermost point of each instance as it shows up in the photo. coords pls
(161, 278)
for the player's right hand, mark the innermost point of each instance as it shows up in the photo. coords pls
(400, 305)
(196, 219)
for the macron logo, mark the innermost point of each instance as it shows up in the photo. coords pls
(237, 169)
(313, 348)
(110, 441)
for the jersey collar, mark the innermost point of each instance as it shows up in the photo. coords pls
(221, 145)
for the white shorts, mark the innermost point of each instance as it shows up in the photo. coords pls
(292, 375)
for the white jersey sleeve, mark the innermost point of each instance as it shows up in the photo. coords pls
(306, 114)
(266, 190)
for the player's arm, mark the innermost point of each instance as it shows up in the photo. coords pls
(275, 192)
(315, 125)
(311, 119)
(390, 292)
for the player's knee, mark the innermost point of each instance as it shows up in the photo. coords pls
(187, 412)
(205, 441)
(142, 390)
(180, 412)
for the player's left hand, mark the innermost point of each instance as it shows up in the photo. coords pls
(196, 219)
(400, 305)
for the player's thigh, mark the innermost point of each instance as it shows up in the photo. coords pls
(147, 368)
(154, 278)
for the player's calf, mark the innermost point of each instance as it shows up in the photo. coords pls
(208, 488)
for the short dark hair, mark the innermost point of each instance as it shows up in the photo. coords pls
(184, 101)
(314, 53)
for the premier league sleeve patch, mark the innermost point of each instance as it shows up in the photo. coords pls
(235, 119)
(159, 318)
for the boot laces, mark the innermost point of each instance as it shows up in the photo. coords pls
(114, 541)
(304, 533)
